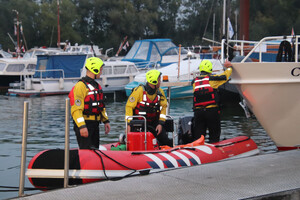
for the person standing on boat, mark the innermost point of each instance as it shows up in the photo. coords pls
(149, 100)
(87, 106)
(205, 101)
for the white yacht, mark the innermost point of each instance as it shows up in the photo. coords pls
(13, 69)
(271, 91)
(57, 74)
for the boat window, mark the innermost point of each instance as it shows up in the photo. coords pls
(163, 46)
(6, 55)
(15, 67)
(107, 70)
(28, 55)
(38, 53)
(143, 51)
(2, 66)
(131, 69)
(31, 67)
(120, 69)
(42, 64)
(132, 51)
(155, 55)
(172, 51)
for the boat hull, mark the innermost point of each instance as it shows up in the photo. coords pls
(45, 170)
(273, 97)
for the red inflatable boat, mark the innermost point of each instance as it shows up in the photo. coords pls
(46, 169)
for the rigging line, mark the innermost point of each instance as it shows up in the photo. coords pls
(208, 17)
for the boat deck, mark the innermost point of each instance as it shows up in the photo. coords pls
(258, 177)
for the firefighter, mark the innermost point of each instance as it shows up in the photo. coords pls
(205, 101)
(150, 101)
(87, 106)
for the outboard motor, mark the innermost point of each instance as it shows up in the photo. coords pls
(185, 130)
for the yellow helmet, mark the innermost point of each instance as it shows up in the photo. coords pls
(94, 64)
(205, 66)
(152, 76)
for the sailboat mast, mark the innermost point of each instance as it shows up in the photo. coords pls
(58, 26)
(224, 17)
(18, 37)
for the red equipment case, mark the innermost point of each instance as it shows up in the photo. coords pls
(136, 141)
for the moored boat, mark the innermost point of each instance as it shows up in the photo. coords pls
(174, 74)
(57, 74)
(151, 53)
(271, 92)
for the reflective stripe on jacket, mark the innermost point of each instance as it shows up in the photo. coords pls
(204, 94)
(147, 108)
(93, 102)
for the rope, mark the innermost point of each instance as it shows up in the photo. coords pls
(117, 178)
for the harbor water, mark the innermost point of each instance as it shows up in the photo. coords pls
(46, 129)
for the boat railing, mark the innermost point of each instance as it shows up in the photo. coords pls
(28, 78)
(49, 73)
(147, 65)
(243, 45)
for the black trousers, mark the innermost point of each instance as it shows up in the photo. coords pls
(162, 138)
(92, 141)
(207, 118)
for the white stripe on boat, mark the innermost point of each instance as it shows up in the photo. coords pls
(170, 158)
(101, 147)
(183, 157)
(196, 158)
(157, 160)
(205, 149)
(84, 174)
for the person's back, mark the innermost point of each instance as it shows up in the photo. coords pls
(206, 100)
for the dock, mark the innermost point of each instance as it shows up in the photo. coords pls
(268, 176)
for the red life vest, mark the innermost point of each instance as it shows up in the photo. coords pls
(93, 102)
(147, 108)
(204, 94)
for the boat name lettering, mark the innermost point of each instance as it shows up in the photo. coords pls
(296, 71)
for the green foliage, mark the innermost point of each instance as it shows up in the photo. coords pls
(107, 22)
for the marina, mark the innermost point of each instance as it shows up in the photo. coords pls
(258, 154)
(46, 128)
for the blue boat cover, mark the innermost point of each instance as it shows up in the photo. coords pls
(148, 52)
(54, 66)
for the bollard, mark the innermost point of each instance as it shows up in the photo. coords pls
(67, 143)
(24, 145)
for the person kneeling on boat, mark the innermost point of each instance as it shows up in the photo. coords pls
(205, 102)
(87, 106)
(149, 100)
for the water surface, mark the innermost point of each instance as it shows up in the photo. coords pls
(46, 129)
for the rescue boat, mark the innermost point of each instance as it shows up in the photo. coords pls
(139, 155)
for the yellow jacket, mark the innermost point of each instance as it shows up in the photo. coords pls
(80, 92)
(137, 96)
